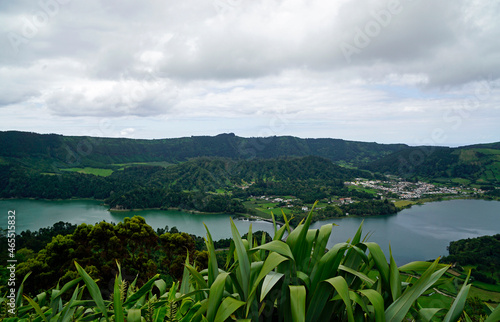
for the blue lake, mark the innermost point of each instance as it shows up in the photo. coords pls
(418, 233)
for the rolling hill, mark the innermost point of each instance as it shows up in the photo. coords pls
(48, 152)
(51, 153)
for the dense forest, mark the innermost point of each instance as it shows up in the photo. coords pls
(482, 253)
(51, 252)
(51, 153)
(479, 164)
(190, 185)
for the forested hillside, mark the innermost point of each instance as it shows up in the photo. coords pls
(482, 253)
(190, 185)
(477, 164)
(50, 152)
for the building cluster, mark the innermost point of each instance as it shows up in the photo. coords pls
(409, 190)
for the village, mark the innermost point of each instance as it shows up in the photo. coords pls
(398, 188)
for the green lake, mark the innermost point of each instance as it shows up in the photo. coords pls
(418, 233)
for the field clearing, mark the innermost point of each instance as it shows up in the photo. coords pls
(163, 164)
(488, 151)
(484, 295)
(468, 156)
(461, 181)
(95, 171)
(403, 203)
(495, 169)
(264, 209)
(367, 190)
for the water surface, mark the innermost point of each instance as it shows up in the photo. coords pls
(418, 233)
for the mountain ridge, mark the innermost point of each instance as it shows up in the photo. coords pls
(51, 153)
(18, 144)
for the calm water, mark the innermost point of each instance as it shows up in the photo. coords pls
(423, 232)
(418, 233)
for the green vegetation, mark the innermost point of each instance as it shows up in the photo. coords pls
(479, 164)
(52, 251)
(293, 280)
(400, 204)
(50, 152)
(191, 185)
(94, 171)
(223, 173)
(278, 178)
(482, 254)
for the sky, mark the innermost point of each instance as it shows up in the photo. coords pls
(409, 71)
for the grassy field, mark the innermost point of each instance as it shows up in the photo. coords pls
(487, 287)
(158, 164)
(488, 296)
(460, 181)
(367, 190)
(403, 203)
(94, 171)
(264, 208)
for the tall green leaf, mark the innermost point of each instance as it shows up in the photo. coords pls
(117, 297)
(277, 246)
(458, 304)
(494, 315)
(198, 278)
(395, 278)
(37, 308)
(328, 265)
(269, 281)
(380, 261)
(298, 243)
(131, 301)
(134, 315)
(213, 269)
(185, 277)
(377, 301)
(272, 261)
(227, 307)
(426, 314)
(340, 285)
(19, 295)
(321, 242)
(243, 270)
(68, 311)
(398, 310)
(215, 295)
(298, 302)
(94, 291)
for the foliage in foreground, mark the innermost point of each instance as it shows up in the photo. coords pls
(293, 280)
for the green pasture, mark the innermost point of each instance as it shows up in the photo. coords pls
(95, 171)
(156, 163)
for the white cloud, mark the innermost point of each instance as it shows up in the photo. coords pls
(226, 59)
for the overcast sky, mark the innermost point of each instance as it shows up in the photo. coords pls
(415, 72)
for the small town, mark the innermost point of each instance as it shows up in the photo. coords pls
(401, 189)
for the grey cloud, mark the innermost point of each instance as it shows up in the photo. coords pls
(96, 53)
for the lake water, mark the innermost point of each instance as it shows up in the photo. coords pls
(418, 233)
